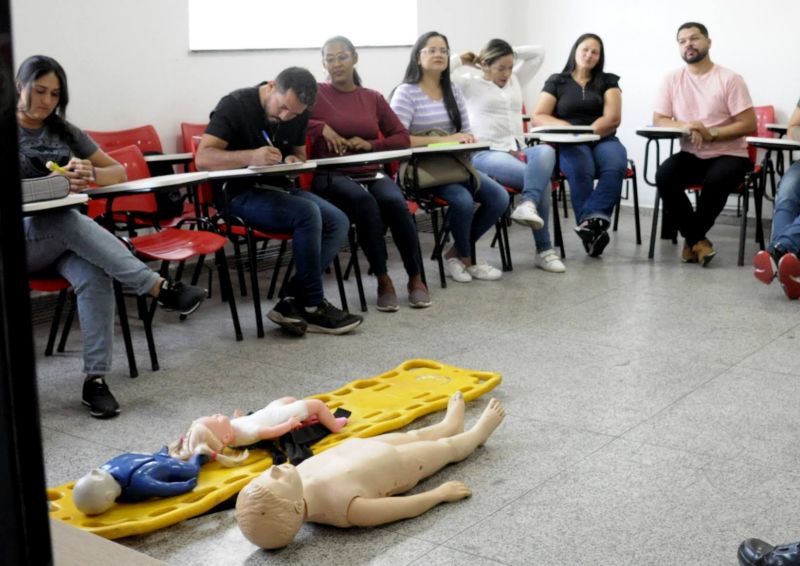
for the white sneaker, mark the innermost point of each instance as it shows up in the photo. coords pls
(457, 270)
(484, 271)
(527, 214)
(549, 261)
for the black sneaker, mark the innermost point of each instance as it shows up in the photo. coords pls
(586, 234)
(594, 236)
(288, 315)
(99, 399)
(599, 244)
(175, 296)
(327, 319)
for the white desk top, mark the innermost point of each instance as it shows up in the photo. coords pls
(454, 148)
(568, 138)
(72, 199)
(149, 184)
(169, 158)
(261, 171)
(658, 132)
(363, 158)
(773, 143)
(561, 130)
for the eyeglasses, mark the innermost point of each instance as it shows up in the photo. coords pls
(434, 50)
(339, 58)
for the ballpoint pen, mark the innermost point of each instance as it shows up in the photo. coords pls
(266, 138)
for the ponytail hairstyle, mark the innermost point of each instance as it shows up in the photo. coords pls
(494, 50)
(414, 76)
(38, 66)
(350, 47)
(200, 440)
(597, 72)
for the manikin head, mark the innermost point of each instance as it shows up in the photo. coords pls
(209, 436)
(270, 509)
(95, 492)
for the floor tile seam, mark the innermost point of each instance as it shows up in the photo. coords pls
(83, 438)
(493, 559)
(561, 425)
(721, 460)
(677, 400)
(556, 473)
(787, 331)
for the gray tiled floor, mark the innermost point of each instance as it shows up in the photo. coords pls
(652, 411)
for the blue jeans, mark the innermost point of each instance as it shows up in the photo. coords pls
(786, 219)
(531, 177)
(89, 257)
(605, 161)
(318, 231)
(380, 205)
(466, 224)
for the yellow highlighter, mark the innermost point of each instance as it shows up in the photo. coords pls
(55, 167)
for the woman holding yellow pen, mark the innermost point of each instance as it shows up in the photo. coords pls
(69, 243)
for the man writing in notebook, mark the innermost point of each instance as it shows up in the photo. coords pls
(713, 105)
(265, 125)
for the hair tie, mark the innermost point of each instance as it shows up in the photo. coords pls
(213, 455)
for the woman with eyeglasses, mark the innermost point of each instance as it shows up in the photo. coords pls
(427, 100)
(348, 118)
(584, 95)
(492, 83)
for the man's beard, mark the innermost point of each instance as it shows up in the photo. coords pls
(697, 57)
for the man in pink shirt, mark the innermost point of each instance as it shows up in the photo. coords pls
(713, 105)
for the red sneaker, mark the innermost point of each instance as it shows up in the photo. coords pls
(764, 268)
(789, 275)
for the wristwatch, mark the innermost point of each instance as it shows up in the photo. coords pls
(714, 134)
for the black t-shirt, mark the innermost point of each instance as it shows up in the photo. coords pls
(578, 105)
(241, 120)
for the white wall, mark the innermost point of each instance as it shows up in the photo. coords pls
(756, 40)
(128, 61)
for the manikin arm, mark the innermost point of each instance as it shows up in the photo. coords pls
(369, 512)
(269, 432)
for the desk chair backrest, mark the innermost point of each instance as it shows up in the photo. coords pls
(188, 132)
(764, 115)
(131, 158)
(144, 137)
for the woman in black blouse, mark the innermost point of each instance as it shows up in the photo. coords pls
(583, 95)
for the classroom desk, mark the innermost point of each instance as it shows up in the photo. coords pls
(329, 165)
(560, 129)
(654, 135)
(254, 172)
(170, 158)
(361, 159)
(770, 145)
(69, 201)
(451, 148)
(779, 129)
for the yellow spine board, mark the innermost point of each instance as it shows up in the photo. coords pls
(378, 404)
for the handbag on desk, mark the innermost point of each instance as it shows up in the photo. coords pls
(423, 172)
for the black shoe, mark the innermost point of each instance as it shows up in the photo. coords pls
(599, 244)
(288, 315)
(594, 235)
(99, 399)
(755, 552)
(175, 296)
(327, 319)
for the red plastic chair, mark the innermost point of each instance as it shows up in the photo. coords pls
(177, 244)
(144, 137)
(239, 232)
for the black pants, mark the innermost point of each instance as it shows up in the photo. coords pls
(381, 204)
(719, 176)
